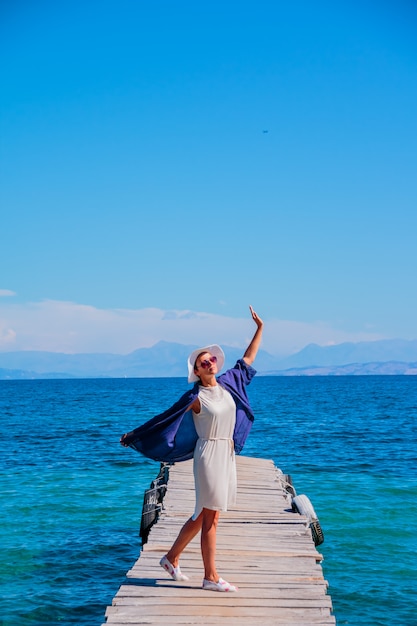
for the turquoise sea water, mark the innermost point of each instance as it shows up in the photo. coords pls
(71, 496)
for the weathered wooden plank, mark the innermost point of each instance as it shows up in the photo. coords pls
(216, 607)
(282, 597)
(287, 619)
(284, 620)
(130, 614)
(193, 570)
(263, 547)
(248, 593)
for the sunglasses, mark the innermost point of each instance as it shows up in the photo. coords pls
(207, 362)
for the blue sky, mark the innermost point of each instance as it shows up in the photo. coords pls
(166, 164)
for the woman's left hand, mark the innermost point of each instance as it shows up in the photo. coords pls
(125, 440)
(256, 317)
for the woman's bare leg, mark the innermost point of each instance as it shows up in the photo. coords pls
(186, 534)
(206, 522)
(208, 543)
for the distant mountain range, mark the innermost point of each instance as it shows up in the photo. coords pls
(164, 359)
(361, 352)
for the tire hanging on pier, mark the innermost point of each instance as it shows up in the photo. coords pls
(303, 506)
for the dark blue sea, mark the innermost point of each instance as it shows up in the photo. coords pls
(72, 496)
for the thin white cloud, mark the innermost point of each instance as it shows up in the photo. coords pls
(58, 326)
(6, 293)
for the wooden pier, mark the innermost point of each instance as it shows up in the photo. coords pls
(263, 547)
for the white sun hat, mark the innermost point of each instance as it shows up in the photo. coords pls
(214, 349)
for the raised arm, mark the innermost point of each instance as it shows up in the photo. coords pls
(253, 347)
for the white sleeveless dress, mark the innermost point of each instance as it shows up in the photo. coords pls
(214, 456)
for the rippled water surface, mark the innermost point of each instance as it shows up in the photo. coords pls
(72, 496)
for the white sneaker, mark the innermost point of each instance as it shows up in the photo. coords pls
(174, 572)
(221, 585)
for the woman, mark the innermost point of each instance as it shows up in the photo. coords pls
(222, 418)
